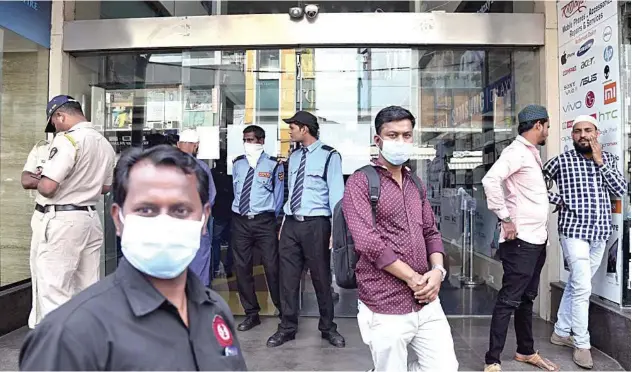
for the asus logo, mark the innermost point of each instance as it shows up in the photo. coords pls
(570, 107)
(588, 79)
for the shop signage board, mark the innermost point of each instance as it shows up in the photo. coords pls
(589, 84)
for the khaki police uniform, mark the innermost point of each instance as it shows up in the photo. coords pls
(34, 162)
(70, 235)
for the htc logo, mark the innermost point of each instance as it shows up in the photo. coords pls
(614, 114)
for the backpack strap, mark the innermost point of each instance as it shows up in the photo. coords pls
(374, 188)
(331, 152)
(419, 185)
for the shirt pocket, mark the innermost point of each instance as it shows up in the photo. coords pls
(266, 183)
(314, 176)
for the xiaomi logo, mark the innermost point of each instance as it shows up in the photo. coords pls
(610, 93)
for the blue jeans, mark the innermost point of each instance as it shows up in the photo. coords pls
(583, 258)
(221, 232)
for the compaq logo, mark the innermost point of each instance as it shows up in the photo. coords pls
(588, 79)
(573, 7)
(587, 62)
(610, 93)
(585, 47)
(570, 107)
(569, 70)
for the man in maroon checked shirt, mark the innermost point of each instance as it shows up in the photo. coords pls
(400, 266)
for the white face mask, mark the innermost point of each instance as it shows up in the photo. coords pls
(396, 152)
(161, 247)
(253, 153)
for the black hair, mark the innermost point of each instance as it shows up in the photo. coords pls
(526, 126)
(312, 129)
(390, 114)
(257, 130)
(164, 155)
(71, 108)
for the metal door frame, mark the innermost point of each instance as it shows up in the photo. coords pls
(278, 30)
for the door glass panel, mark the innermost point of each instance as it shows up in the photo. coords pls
(465, 102)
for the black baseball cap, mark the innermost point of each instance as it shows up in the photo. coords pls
(53, 105)
(303, 117)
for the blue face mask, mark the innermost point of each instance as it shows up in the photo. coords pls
(161, 247)
(396, 152)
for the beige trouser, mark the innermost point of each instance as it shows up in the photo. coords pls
(427, 331)
(64, 258)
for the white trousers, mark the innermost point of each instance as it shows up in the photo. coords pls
(426, 331)
(64, 258)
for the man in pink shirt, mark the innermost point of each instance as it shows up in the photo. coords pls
(517, 193)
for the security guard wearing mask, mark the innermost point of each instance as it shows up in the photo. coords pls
(152, 314)
(67, 232)
(315, 186)
(258, 188)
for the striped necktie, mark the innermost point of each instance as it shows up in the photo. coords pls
(244, 200)
(297, 194)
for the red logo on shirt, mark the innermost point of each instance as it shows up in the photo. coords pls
(222, 332)
(264, 174)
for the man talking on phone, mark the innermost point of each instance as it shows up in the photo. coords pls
(586, 177)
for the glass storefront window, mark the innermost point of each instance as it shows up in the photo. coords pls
(466, 102)
(24, 87)
(625, 70)
(87, 10)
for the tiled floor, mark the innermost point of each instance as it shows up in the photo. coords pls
(310, 353)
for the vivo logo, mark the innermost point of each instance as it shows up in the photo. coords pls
(585, 47)
(588, 79)
(570, 107)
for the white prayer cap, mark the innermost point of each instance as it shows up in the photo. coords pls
(586, 118)
(189, 135)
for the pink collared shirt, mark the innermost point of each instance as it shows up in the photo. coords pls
(515, 188)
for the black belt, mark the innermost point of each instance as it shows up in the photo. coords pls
(307, 218)
(254, 216)
(63, 208)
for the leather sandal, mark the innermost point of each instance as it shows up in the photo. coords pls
(537, 361)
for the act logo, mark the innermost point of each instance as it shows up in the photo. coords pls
(608, 53)
(590, 99)
(610, 93)
(575, 6)
(585, 47)
(587, 63)
(588, 79)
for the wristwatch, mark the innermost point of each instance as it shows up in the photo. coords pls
(506, 219)
(441, 269)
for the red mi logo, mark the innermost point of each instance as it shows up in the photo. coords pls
(610, 93)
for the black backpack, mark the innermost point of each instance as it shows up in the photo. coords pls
(345, 256)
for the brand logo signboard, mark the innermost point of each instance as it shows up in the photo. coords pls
(588, 40)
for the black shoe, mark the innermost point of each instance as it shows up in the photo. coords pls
(279, 338)
(334, 338)
(249, 323)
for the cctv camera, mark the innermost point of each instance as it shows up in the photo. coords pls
(296, 12)
(311, 11)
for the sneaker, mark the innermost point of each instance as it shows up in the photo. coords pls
(562, 341)
(492, 367)
(583, 358)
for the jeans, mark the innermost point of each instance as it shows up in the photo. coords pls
(221, 232)
(583, 258)
(522, 265)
